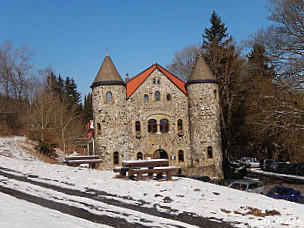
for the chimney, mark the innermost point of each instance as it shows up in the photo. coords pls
(127, 77)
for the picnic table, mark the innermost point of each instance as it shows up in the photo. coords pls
(150, 167)
(92, 160)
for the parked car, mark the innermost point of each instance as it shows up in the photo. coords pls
(219, 182)
(288, 169)
(301, 169)
(277, 166)
(248, 186)
(267, 164)
(203, 178)
(251, 162)
(285, 193)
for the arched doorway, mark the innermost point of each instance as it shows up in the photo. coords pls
(160, 154)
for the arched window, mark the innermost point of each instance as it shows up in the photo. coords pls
(98, 128)
(146, 98)
(180, 125)
(137, 126)
(168, 97)
(158, 81)
(116, 158)
(109, 96)
(209, 152)
(164, 125)
(157, 96)
(152, 127)
(139, 156)
(181, 156)
(214, 94)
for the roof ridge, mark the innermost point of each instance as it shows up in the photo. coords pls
(135, 82)
(141, 72)
(170, 73)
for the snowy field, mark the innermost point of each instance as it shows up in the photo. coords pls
(21, 171)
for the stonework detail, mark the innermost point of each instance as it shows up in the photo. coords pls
(147, 122)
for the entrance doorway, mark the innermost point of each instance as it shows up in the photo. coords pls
(160, 154)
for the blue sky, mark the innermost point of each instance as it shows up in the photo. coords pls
(72, 35)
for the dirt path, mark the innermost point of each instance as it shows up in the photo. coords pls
(97, 206)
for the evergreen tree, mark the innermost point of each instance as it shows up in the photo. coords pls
(72, 96)
(52, 83)
(260, 101)
(216, 32)
(61, 86)
(259, 62)
(87, 108)
(71, 92)
(226, 65)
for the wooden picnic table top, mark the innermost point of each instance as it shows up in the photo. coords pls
(81, 157)
(84, 161)
(145, 163)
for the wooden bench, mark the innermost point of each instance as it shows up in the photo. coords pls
(157, 170)
(121, 170)
(92, 160)
(150, 167)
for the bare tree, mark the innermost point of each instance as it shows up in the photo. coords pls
(183, 62)
(284, 42)
(41, 114)
(67, 123)
(15, 69)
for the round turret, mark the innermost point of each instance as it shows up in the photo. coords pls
(204, 119)
(108, 101)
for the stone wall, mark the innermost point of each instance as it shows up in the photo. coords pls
(140, 110)
(117, 119)
(205, 125)
(112, 118)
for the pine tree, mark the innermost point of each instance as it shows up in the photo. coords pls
(226, 65)
(216, 32)
(72, 96)
(259, 62)
(52, 83)
(260, 102)
(87, 108)
(61, 86)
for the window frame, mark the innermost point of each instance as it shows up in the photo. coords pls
(210, 152)
(152, 126)
(168, 95)
(180, 126)
(98, 129)
(116, 158)
(157, 93)
(137, 126)
(164, 125)
(141, 156)
(109, 99)
(181, 154)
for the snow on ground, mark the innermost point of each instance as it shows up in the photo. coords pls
(186, 195)
(17, 147)
(20, 213)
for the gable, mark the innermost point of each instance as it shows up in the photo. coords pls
(135, 82)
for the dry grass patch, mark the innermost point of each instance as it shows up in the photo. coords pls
(257, 212)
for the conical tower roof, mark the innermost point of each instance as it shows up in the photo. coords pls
(107, 74)
(201, 72)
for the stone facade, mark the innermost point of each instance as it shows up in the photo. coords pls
(160, 119)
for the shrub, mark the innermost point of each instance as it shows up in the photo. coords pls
(46, 148)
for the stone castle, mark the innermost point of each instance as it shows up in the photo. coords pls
(156, 115)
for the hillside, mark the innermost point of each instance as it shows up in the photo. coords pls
(78, 197)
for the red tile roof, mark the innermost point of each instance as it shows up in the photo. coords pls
(135, 82)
